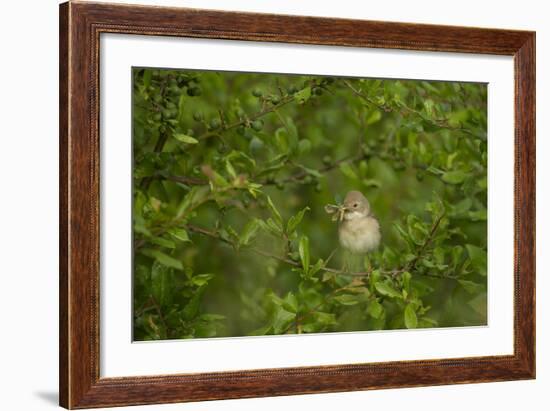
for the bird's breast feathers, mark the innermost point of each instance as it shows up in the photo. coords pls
(360, 235)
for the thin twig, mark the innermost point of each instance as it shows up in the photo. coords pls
(313, 310)
(159, 312)
(264, 253)
(293, 263)
(294, 178)
(441, 123)
(426, 243)
(246, 121)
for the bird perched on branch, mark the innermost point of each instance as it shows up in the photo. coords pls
(358, 230)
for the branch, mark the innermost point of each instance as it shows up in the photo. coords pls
(293, 178)
(264, 253)
(410, 266)
(246, 121)
(426, 243)
(441, 123)
(159, 313)
(159, 145)
(329, 167)
(313, 310)
(191, 181)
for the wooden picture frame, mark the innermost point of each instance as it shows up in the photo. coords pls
(80, 27)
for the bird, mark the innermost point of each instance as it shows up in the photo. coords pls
(358, 230)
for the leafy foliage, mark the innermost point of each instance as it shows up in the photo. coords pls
(231, 175)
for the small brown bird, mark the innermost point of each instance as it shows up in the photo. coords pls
(358, 230)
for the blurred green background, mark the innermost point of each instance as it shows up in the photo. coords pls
(231, 175)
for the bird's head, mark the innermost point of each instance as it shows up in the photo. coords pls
(356, 205)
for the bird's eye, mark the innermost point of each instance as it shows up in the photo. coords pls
(355, 205)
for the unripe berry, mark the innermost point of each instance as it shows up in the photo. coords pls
(215, 123)
(257, 125)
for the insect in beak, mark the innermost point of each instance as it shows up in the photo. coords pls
(337, 211)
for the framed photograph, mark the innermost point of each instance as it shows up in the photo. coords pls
(259, 205)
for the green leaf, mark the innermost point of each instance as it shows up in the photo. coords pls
(192, 307)
(310, 171)
(372, 182)
(147, 74)
(410, 316)
(180, 234)
(429, 106)
(275, 299)
(161, 283)
(270, 227)
(262, 330)
(454, 177)
(270, 170)
(324, 318)
(427, 322)
(201, 279)
(451, 158)
(216, 179)
(290, 303)
(479, 258)
(480, 215)
(303, 95)
(295, 220)
(249, 232)
(456, 254)
(212, 317)
(230, 169)
(406, 276)
(274, 212)
(373, 279)
(318, 265)
(387, 290)
(374, 117)
(401, 231)
(348, 171)
(184, 138)
(163, 258)
(375, 309)
(303, 249)
(304, 146)
(163, 242)
(181, 107)
(273, 227)
(346, 299)
(196, 196)
(242, 159)
(204, 329)
(281, 320)
(462, 206)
